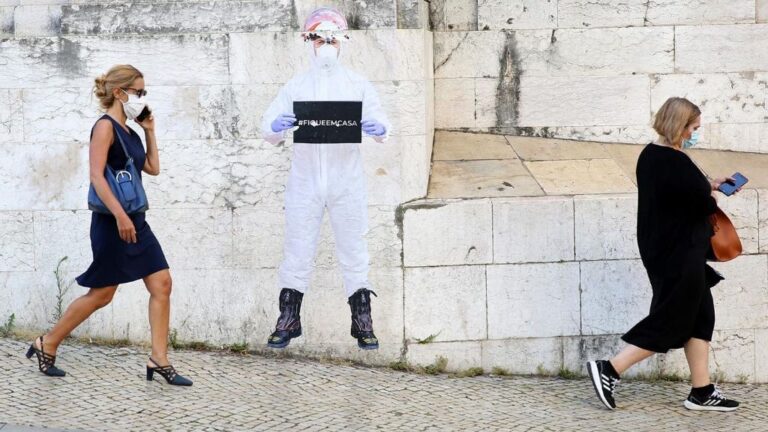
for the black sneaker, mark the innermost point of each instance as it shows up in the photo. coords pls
(604, 380)
(714, 402)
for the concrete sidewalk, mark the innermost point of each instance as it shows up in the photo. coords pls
(105, 390)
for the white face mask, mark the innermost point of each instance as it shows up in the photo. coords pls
(134, 106)
(326, 57)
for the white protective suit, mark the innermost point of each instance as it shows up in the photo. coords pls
(325, 176)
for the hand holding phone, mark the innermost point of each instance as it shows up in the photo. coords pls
(730, 187)
(143, 114)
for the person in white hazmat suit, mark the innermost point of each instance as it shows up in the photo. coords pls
(325, 176)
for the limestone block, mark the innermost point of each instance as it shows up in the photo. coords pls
(234, 111)
(17, 240)
(468, 54)
(460, 355)
(763, 220)
(762, 11)
(613, 51)
(718, 49)
(601, 13)
(517, 14)
(447, 302)
(615, 295)
(453, 15)
(489, 106)
(448, 233)
(544, 149)
(259, 171)
(524, 356)
(176, 112)
(44, 176)
(64, 114)
(11, 116)
(695, 13)
(382, 163)
(450, 94)
(744, 137)
(741, 300)
(732, 357)
(533, 230)
(405, 103)
(359, 14)
(606, 227)
(578, 350)
(725, 97)
(29, 296)
(579, 177)
(630, 134)
(482, 178)
(258, 236)
(194, 238)
(742, 209)
(460, 146)
(76, 61)
(6, 20)
(37, 20)
(415, 167)
(380, 55)
(412, 14)
(60, 234)
(533, 300)
(177, 17)
(195, 174)
(583, 101)
(761, 355)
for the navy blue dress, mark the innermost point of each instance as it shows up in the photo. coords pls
(114, 260)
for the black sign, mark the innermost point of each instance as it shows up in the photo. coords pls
(328, 122)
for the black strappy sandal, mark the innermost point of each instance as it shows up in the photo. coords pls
(167, 372)
(45, 362)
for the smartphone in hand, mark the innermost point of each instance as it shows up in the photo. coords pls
(729, 188)
(143, 114)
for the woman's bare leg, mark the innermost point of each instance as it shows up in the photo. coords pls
(628, 357)
(77, 312)
(159, 287)
(697, 354)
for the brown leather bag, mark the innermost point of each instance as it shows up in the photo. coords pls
(726, 244)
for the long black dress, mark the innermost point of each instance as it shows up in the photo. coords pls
(114, 260)
(673, 235)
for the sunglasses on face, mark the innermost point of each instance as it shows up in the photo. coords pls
(138, 92)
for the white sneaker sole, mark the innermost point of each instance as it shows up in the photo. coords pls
(594, 374)
(695, 407)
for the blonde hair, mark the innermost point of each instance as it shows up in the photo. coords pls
(119, 76)
(673, 117)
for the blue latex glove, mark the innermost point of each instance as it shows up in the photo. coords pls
(373, 128)
(283, 122)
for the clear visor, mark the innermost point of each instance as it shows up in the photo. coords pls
(325, 36)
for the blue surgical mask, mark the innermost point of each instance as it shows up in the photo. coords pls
(690, 142)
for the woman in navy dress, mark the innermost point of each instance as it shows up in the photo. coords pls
(124, 247)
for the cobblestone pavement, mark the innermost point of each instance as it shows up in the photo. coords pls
(105, 390)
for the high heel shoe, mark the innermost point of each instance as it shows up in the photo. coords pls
(167, 372)
(45, 362)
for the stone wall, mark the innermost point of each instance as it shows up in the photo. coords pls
(211, 69)
(598, 70)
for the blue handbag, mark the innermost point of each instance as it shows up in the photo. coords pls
(125, 185)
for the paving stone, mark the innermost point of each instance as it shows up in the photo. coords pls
(574, 177)
(481, 178)
(468, 146)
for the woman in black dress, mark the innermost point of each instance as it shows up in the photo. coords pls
(124, 247)
(675, 201)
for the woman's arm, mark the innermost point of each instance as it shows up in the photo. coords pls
(103, 134)
(152, 164)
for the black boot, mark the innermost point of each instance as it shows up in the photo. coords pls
(289, 323)
(362, 323)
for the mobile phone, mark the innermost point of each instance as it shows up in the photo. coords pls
(143, 114)
(729, 188)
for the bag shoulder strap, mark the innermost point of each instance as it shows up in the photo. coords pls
(116, 125)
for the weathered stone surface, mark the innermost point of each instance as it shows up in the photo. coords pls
(468, 146)
(631, 134)
(412, 14)
(460, 355)
(29, 296)
(606, 228)
(383, 168)
(468, 54)
(414, 167)
(455, 232)
(695, 13)
(191, 240)
(583, 101)
(743, 137)
(517, 14)
(381, 55)
(732, 356)
(524, 356)
(43, 177)
(11, 116)
(578, 350)
(533, 149)
(532, 230)
(451, 284)
(178, 17)
(575, 177)
(234, 111)
(360, 15)
(52, 115)
(259, 172)
(17, 243)
(762, 11)
(35, 63)
(405, 103)
(741, 300)
(601, 13)
(258, 236)
(763, 220)
(489, 111)
(761, 355)
(615, 295)
(451, 94)
(482, 178)
(60, 234)
(724, 98)
(718, 49)
(533, 300)
(6, 21)
(453, 15)
(176, 111)
(37, 20)
(742, 209)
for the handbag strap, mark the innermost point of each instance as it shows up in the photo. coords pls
(122, 144)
